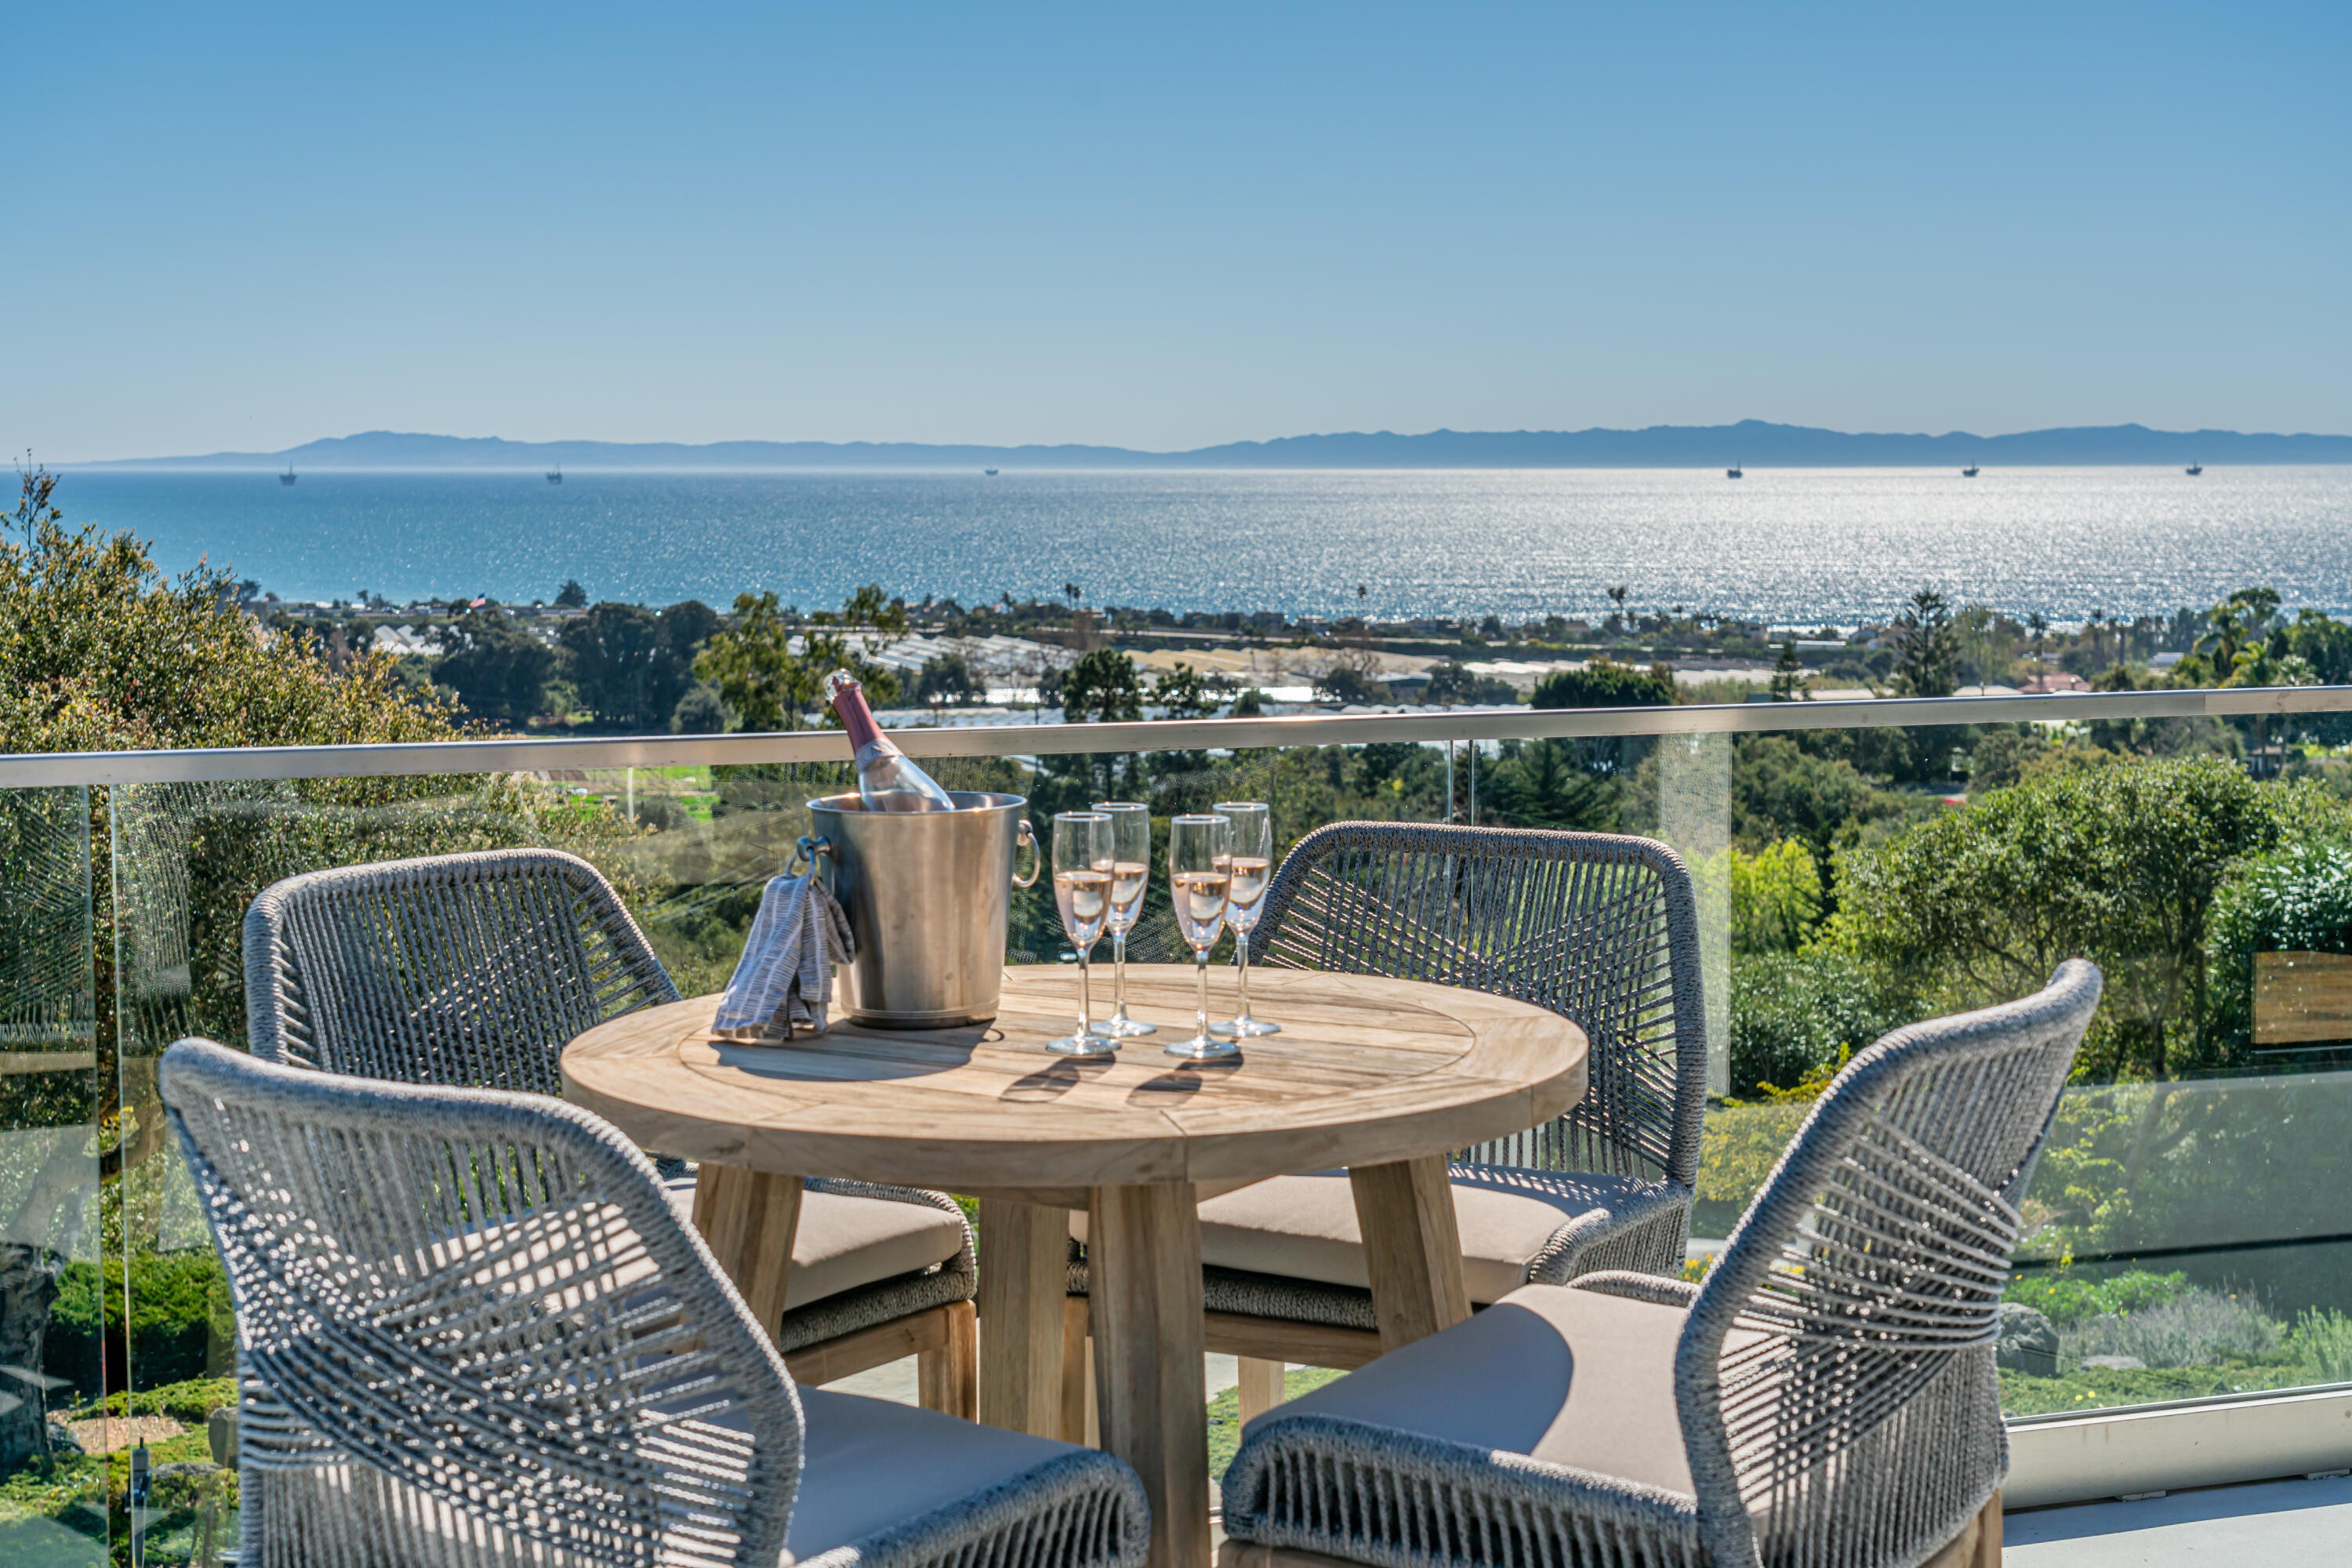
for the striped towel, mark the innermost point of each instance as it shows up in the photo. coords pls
(785, 980)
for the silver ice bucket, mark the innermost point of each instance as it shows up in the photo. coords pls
(927, 893)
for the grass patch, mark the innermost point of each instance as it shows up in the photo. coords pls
(190, 1402)
(1225, 1414)
(2098, 1388)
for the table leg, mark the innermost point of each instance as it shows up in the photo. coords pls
(1412, 1247)
(1024, 1259)
(748, 1217)
(1143, 1264)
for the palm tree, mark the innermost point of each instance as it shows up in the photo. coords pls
(2038, 624)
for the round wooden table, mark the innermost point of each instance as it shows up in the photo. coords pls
(1382, 1076)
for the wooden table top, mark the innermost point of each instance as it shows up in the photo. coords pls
(1365, 1070)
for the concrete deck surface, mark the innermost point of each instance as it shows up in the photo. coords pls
(2280, 1522)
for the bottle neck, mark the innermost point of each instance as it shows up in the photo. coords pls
(856, 717)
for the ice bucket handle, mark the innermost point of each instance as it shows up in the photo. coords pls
(807, 849)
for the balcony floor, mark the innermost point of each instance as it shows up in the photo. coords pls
(2295, 1522)
(2269, 1521)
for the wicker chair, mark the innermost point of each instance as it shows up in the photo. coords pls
(1828, 1397)
(1601, 929)
(474, 971)
(472, 1330)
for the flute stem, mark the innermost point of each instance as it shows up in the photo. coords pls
(1201, 1006)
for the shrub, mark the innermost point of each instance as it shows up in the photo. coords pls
(1792, 1013)
(2195, 1328)
(1776, 897)
(2298, 899)
(179, 1308)
(2116, 864)
(2064, 1297)
(2322, 1339)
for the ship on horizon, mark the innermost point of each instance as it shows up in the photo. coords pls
(2194, 469)
(1735, 472)
(288, 477)
(555, 475)
(1969, 472)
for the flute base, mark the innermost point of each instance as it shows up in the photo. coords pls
(1203, 1049)
(1119, 1026)
(1082, 1046)
(1245, 1027)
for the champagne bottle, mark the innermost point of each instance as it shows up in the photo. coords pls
(886, 780)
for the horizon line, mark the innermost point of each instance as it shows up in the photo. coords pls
(526, 453)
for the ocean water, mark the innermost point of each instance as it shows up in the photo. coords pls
(1839, 545)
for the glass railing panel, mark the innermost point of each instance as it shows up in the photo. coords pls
(55, 1146)
(188, 859)
(2182, 1216)
(2181, 1236)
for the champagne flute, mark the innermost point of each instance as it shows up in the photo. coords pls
(1131, 879)
(1082, 893)
(1200, 855)
(1252, 867)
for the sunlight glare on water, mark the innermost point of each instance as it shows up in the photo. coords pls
(1837, 545)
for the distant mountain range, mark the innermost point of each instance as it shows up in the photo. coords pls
(1752, 442)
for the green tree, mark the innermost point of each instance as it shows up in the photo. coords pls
(1779, 790)
(1927, 646)
(1788, 675)
(770, 684)
(98, 650)
(947, 677)
(1543, 784)
(2235, 625)
(1349, 682)
(1605, 683)
(630, 666)
(572, 595)
(498, 671)
(2118, 864)
(1180, 693)
(1451, 681)
(1776, 897)
(1102, 688)
(2324, 644)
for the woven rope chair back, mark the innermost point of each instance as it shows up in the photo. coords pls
(473, 971)
(1840, 1401)
(473, 1331)
(1601, 929)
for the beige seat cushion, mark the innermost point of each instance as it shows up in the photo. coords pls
(1570, 1377)
(844, 1242)
(1304, 1228)
(871, 1464)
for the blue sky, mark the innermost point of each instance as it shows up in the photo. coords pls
(245, 226)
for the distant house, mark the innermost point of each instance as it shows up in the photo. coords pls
(2054, 680)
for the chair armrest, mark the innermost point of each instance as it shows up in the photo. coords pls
(1651, 1288)
(1645, 1233)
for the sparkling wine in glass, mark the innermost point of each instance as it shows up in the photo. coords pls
(1131, 879)
(1082, 880)
(1252, 868)
(1200, 877)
